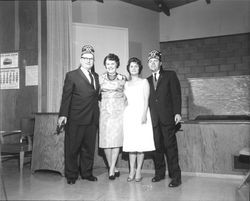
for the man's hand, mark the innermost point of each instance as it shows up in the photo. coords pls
(61, 120)
(177, 118)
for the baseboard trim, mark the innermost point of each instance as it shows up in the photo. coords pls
(197, 174)
(213, 175)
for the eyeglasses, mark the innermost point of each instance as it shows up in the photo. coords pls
(86, 58)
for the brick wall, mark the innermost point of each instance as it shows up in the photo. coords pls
(206, 57)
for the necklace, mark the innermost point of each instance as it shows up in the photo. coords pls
(111, 77)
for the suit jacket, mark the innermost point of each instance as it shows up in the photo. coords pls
(165, 100)
(80, 99)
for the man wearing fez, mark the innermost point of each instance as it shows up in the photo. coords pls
(165, 109)
(79, 112)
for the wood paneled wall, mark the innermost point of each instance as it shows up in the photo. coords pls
(18, 25)
(7, 25)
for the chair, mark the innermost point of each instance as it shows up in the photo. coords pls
(21, 149)
(3, 195)
(244, 157)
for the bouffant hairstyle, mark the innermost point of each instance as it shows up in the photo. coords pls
(112, 57)
(137, 61)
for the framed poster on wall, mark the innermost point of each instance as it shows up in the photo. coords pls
(9, 60)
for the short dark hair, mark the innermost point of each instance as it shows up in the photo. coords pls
(112, 57)
(137, 61)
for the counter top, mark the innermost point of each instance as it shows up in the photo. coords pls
(50, 113)
(216, 122)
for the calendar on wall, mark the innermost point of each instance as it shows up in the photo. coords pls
(9, 78)
(9, 71)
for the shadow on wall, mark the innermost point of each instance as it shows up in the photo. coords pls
(195, 110)
(227, 95)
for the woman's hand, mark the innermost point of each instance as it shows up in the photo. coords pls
(125, 101)
(144, 119)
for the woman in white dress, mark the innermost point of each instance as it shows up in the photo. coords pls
(137, 125)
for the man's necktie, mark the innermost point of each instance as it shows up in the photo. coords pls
(155, 80)
(155, 77)
(91, 79)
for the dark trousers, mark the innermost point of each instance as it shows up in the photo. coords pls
(79, 149)
(166, 144)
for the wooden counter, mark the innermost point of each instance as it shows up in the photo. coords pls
(48, 148)
(208, 147)
(204, 147)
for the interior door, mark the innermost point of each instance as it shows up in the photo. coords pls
(105, 40)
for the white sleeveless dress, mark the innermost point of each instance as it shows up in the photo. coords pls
(137, 137)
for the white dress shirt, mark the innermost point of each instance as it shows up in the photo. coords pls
(157, 74)
(86, 73)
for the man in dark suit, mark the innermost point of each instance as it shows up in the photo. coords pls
(80, 112)
(165, 109)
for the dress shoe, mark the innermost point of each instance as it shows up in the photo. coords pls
(71, 181)
(90, 178)
(175, 183)
(158, 178)
(129, 179)
(117, 174)
(138, 179)
(112, 177)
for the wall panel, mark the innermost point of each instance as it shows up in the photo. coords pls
(18, 18)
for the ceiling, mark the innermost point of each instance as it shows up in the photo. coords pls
(159, 5)
(164, 6)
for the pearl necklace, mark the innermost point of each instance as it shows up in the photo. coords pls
(112, 77)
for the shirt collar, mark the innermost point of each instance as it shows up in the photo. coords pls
(157, 73)
(84, 70)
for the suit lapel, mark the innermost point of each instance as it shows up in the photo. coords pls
(83, 75)
(159, 79)
(87, 81)
(150, 80)
(151, 83)
(96, 81)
